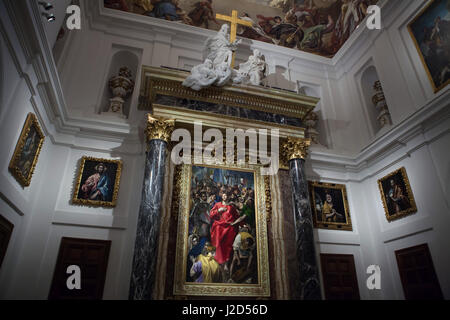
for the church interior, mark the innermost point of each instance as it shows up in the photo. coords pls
(103, 196)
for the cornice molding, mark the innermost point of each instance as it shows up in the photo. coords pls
(400, 141)
(159, 81)
(45, 89)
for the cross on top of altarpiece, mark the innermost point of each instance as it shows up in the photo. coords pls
(234, 21)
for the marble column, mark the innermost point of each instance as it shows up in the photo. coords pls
(158, 132)
(308, 287)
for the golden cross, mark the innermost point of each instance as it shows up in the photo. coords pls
(234, 21)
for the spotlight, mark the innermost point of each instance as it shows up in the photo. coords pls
(46, 5)
(49, 16)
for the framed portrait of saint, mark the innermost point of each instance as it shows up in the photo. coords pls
(98, 182)
(430, 31)
(329, 205)
(396, 194)
(222, 245)
(27, 151)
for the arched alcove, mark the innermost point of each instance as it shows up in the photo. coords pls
(376, 117)
(120, 57)
(315, 91)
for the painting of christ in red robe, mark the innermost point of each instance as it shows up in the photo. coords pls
(224, 229)
(222, 213)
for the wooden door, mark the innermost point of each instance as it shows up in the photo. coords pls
(417, 273)
(6, 229)
(339, 277)
(92, 258)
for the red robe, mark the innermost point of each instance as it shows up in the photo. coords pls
(222, 234)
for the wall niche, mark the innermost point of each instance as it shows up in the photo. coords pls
(119, 83)
(314, 123)
(375, 105)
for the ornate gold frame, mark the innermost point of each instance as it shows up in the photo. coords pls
(113, 203)
(416, 44)
(181, 287)
(330, 225)
(13, 168)
(409, 192)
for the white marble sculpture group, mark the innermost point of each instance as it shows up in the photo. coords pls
(217, 70)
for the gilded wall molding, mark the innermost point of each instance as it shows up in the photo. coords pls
(268, 193)
(159, 128)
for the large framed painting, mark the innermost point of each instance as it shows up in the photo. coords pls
(27, 151)
(222, 245)
(430, 31)
(396, 194)
(329, 204)
(98, 182)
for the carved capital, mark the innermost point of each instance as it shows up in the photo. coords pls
(159, 128)
(295, 148)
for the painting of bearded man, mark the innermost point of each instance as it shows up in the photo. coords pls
(98, 182)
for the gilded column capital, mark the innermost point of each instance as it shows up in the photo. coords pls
(295, 148)
(159, 128)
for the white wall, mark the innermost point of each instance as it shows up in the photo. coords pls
(374, 240)
(42, 213)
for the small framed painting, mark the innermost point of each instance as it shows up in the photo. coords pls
(430, 31)
(27, 151)
(329, 205)
(396, 194)
(98, 182)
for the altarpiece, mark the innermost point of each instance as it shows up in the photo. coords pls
(172, 262)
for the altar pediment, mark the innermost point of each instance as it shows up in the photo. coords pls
(236, 106)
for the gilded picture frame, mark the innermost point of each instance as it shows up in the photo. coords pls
(26, 153)
(183, 189)
(98, 182)
(421, 31)
(396, 195)
(329, 203)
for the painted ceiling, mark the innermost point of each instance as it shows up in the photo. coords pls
(316, 26)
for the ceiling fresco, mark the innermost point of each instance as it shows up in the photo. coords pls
(315, 26)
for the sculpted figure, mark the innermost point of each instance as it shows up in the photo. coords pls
(252, 71)
(224, 74)
(217, 70)
(202, 76)
(218, 47)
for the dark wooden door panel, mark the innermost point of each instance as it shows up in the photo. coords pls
(339, 277)
(92, 258)
(417, 273)
(6, 229)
